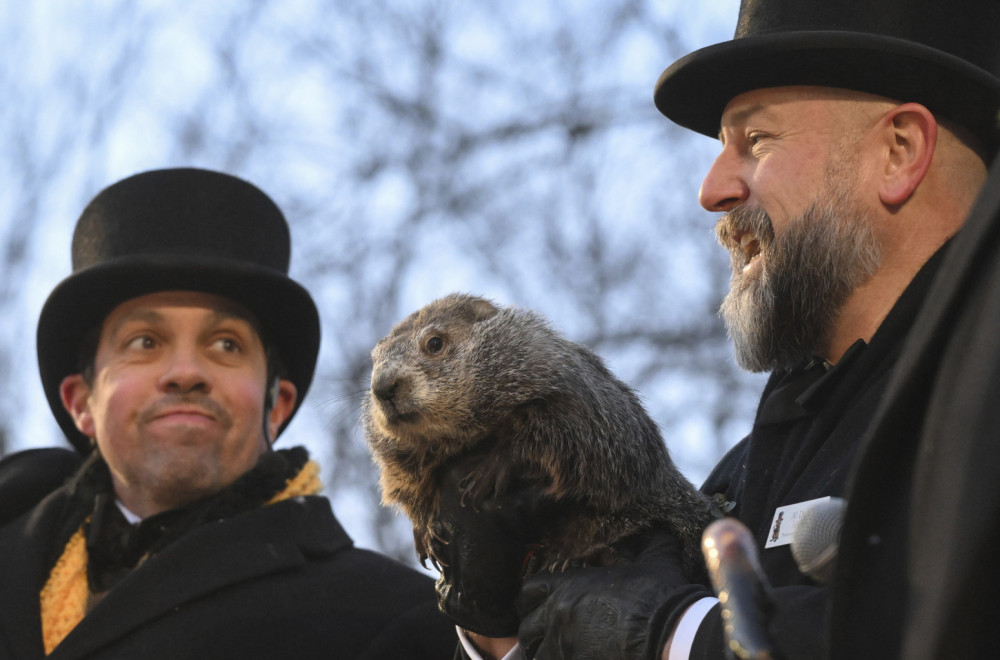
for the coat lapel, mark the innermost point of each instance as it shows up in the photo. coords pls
(25, 546)
(19, 580)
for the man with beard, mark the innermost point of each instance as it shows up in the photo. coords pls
(854, 144)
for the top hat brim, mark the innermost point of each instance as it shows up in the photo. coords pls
(695, 90)
(285, 310)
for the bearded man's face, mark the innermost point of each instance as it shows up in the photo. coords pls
(787, 290)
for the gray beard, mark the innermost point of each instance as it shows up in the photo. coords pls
(783, 314)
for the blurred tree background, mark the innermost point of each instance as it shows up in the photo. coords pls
(418, 147)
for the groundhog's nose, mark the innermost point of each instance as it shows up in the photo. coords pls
(384, 386)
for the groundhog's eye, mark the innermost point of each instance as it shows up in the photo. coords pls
(434, 344)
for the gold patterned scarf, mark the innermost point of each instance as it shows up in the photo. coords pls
(64, 596)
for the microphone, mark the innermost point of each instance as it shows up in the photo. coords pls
(816, 537)
(743, 590)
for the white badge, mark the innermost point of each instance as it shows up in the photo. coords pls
(785, 520)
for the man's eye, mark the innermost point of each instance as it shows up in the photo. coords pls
(142, 343)
(228, 345)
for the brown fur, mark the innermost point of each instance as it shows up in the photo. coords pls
(462, 375)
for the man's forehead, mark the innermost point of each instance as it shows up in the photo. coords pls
(156, 306)
(772, 101)
(743, 106)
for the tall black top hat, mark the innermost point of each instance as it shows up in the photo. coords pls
(177, 230)
(944, 54)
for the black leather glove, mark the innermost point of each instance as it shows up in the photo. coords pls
(484, 550)
(627, 610)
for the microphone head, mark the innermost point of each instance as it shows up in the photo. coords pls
(816, 537)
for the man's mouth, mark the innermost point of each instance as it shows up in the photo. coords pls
(749, 247)
(176, 409)
(746, 233)
(185, 414)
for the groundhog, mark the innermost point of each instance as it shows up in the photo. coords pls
(463, 375)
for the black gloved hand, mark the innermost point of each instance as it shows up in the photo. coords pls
(483, 549)
(627, 610)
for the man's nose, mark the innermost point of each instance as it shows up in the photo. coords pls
(723, 188)
(185, 371)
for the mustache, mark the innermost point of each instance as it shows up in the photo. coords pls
(196, 401)
(744, 220)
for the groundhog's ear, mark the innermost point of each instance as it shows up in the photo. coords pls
(482, 310)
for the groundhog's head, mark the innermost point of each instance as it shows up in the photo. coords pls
(423, 376)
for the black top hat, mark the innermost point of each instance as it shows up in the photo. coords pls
(177, 230)
(944, 54)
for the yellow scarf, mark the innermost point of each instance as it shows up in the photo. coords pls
(64, 596)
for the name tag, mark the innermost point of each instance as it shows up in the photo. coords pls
(786, 518)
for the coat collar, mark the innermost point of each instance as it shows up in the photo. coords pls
(804, 391)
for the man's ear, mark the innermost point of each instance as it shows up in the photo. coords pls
(283, 401)
(909, 137)
(75, 395)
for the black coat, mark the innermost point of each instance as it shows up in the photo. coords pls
(28, 476)
(282, 581)
(917, 571)
(805, 437)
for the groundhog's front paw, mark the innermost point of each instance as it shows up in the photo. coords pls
(484, 481)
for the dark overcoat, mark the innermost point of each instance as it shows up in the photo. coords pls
(29, 475)
(918, 574)
(282, 581)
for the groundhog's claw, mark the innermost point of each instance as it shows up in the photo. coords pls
(435, 532)
(467, 486)
(433, 539)
(489, 478)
